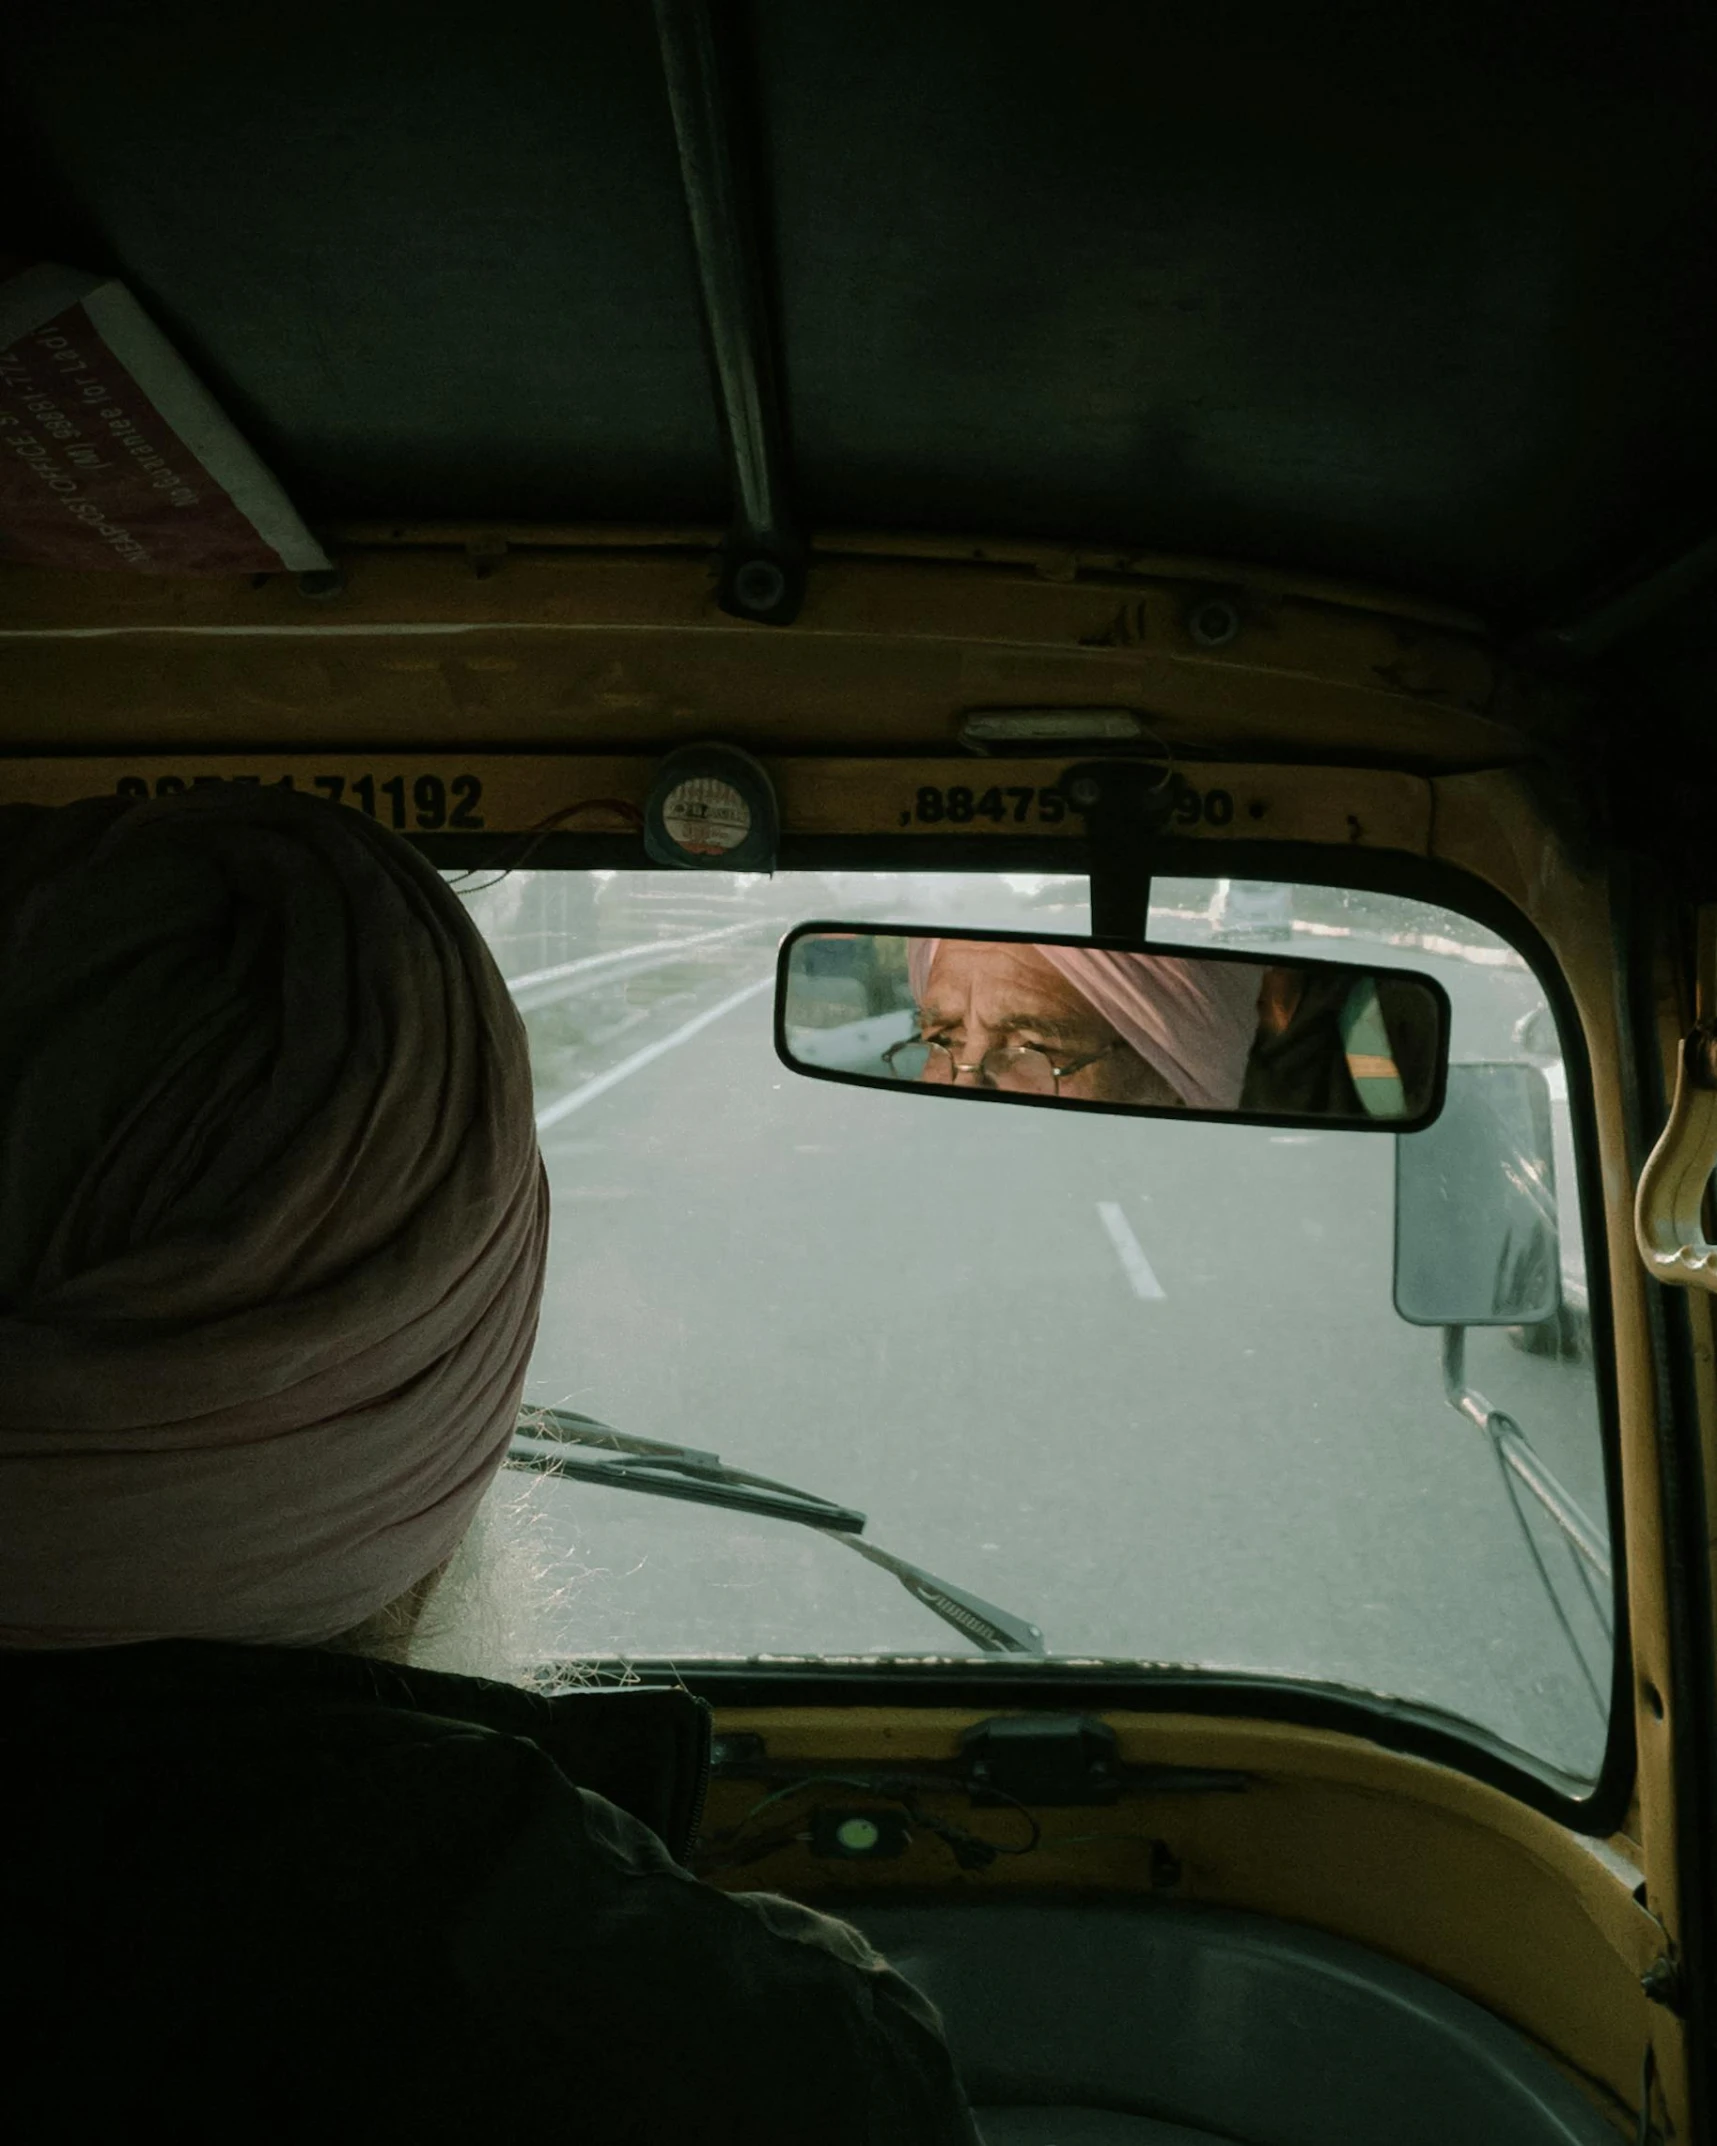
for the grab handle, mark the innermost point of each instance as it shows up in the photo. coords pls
(1669, 1219)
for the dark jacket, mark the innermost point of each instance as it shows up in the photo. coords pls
(1304, 1071)
(259, 1892)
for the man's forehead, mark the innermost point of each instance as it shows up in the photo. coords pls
(1021, 970)
(1014, 987)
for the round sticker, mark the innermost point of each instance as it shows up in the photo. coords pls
(705, 816)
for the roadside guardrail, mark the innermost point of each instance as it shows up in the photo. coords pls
(570, 979)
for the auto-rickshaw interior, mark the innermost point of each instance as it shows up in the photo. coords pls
(761, 493)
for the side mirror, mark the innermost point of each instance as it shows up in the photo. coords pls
(1475, 1205)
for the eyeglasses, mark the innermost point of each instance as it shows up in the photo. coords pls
(1023, 1069)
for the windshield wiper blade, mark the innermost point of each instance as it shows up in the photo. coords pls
(601, 1454)
(677, 1472)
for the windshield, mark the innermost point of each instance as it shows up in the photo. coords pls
(1142, 1384)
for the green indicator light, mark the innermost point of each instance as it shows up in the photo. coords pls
(858, 1836)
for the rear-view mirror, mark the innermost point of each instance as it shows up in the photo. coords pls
(1096, 1025)
(1476, 1240)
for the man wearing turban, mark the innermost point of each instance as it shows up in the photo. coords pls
(272, 1233)
(1169, 1031)
(1112, 1027)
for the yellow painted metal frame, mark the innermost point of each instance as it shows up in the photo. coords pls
(555, 665)
(626, 650)
(604, 793)
(1410, 1859)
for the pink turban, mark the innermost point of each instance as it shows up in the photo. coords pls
(1193, 1021)
(272, 1220)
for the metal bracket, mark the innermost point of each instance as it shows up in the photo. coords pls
(1520, 1458)
(1622, 613)
(1127, 804)
(1042, 1759)
(1664, 1984)
(763, 562)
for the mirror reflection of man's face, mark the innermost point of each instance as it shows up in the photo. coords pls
(983, 995)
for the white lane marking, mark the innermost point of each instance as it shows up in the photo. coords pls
(1131, 1253)
(567, 1104)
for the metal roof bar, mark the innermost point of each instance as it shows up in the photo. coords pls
(1640, 604)
(763, 568)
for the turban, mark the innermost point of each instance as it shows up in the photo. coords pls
(272, 1219)
(1193, 1021)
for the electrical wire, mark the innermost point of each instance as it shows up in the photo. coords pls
(534, 838)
